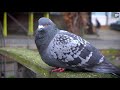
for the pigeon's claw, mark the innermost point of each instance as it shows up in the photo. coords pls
(58, 70)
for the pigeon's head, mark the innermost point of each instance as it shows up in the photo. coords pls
(45, 24)
(46, 29)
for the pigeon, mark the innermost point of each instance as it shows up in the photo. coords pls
(64, 50)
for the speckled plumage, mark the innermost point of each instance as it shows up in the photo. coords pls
(59, 48)
(72, 49)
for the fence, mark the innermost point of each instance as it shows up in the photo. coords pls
(2, 40)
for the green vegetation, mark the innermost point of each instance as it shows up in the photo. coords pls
(111, 52)
(31, 59)
(11, 77)
(112, 55)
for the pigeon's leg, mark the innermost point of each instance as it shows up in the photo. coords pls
(58, 70)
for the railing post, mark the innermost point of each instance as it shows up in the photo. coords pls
(5, 24)
(30, 23)
(47, 15)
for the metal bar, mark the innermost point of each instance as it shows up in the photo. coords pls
(4, 67)
(46, 15)
(5, 24)
(25, 29)
(30, 30)
(2, 37)
(15, 69)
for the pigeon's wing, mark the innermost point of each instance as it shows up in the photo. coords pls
(74, 51)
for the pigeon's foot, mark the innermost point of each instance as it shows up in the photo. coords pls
(58, 70)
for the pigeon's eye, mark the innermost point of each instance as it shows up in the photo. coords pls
(46, 25)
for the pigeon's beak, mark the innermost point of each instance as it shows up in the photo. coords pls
(40, 27)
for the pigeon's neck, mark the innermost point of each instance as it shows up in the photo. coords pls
(43, 43)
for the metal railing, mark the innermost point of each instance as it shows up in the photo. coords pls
(22, 26)
(2, 40)
(17, 22)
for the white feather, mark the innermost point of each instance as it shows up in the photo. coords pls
(40, 26)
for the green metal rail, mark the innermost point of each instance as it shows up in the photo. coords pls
(30, 22)
(31, 16)
(5, 24)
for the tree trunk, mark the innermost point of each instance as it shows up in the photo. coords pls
(74, 22)
(90, 25)
(77, 21)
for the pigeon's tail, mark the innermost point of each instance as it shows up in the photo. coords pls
(107, 67)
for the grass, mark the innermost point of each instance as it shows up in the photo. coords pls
(32, 60)
(110, 52)
(112, 55)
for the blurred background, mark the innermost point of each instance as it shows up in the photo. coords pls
(101, 29)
